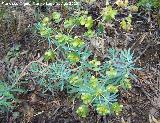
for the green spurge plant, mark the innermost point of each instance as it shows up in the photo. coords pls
(101, 90)
(77, 69)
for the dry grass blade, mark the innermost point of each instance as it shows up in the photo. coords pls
(152, 119)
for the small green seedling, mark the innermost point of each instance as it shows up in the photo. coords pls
(126, 23)
(108, 13)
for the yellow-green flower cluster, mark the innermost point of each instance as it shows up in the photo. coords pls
(102, 109)
(112, 89)
(86, 98)
(73, 57)
(127, 83)
(95, 63)
(93, 82)
(116, 108)
(82, 111)
(74, 80)
(111, 73)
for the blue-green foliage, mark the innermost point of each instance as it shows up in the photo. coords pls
(100, 89)
(114, 72)
(149, 4)
(122, 61)
(45, 31)
(52, 77)
(78, 70)
(6, 97)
